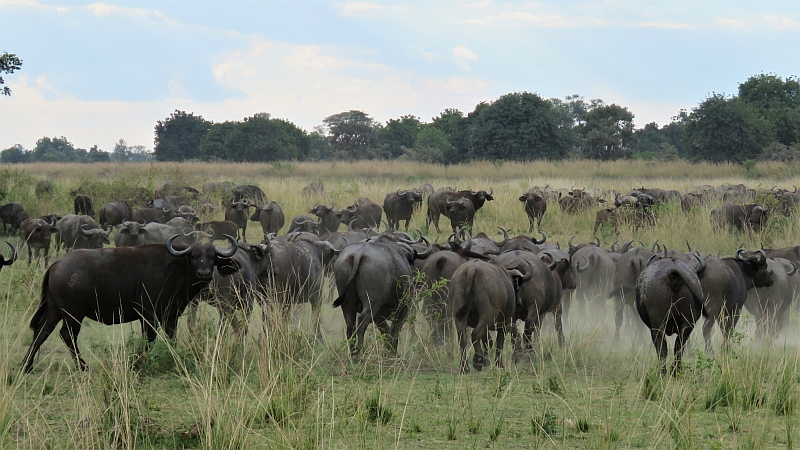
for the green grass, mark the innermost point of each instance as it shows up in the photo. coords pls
(281, 388)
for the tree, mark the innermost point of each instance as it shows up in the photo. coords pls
(399, 133)
(120, 152)
(352, 134)
(257, 138)
(777, 101)
(608, 132)
(14, 155)
(649, 140)
(178, 136)
(9, 63)
(55, 150)
(454, 125)
(726, 129)
(517, 126)
(97, 155)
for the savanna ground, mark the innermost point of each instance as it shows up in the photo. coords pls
(281, 388)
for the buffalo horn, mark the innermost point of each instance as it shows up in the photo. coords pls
(554, 261)
(505, 237)
(794, 269)
(597, 240)
(763, 256)
(172, 250)
(701, 264)
(626, 247)
(585, 266)
(650, 260)
(795, 189)
(52, 221)
(350, 226)
(491, 191)
(739, 253)
(688, 246)
(125, 222)
(614, 245)
(166, 210)
(571, 247)
(231, 251)
(655, 246)
(8, 262)
(40, 222)
(544, 238)
(401, 192)
(427, 252)
(318, 222)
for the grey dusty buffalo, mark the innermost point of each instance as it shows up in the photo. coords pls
(130, 234)
(362, 214)
(151, 283)
(313, 188)
(540, 293)
(43, 189)
(80, 232)
(11, 259)
(329, 216)
(399, 206)
(725, 284)
(8, 212)
(270, 217)
(372, 278)
(741, 217)
(83, 205)
(669, 300)
(217, 228)
(770, 305)
(36, 233)
(114, 213)
(535, 205)
(437, 202)
(526, 243)
(594, 282)
(461, 213)
(238, 213)
(483, 296)
(690, 201)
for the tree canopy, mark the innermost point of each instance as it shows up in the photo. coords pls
(9, 63)
(178, 136)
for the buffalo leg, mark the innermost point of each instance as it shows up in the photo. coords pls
(708, 329)
(69, 334)
(559, 327)
(398, 320)
(501, 341)
(349, 313)
(660, 342)
(463, 341)
(532, 325)
(480, 342)
(680, 346)
(40, 334)
(619, 310)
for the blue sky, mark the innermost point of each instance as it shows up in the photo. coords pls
(97, 72)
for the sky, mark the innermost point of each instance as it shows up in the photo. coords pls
(97, 72)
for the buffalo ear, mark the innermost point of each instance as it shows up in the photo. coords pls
(522, 198)
(54, 230)
(226, 266)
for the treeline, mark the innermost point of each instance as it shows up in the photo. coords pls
(761, 122)
(61, 150)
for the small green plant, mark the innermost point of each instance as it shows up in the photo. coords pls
(784, 402)
(497, 428)
(582, 425)
(554, 385)
(652, 386)
(721, 393)
(547, 424)
(377, 411)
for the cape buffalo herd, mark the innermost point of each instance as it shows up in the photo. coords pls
(163, 260)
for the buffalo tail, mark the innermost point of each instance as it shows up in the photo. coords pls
(351, 277)
(38, 316)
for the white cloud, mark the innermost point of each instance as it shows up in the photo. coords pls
(665, 25)
(730, 23)
(463, 53)
(782, 22)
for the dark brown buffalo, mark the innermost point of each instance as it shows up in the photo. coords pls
(483, 296)
(17, 220)
(271, 218)
(130, 234)
(461, 213)
(362, 214)
(8, 212)
(160, 214)
(535, 205)
(399, 206)
(526, 243)
(669, 300)
(725, 284)
(11, 259)
(248, 193)
(578, 200)
(238, 213)
(218, 229)
(372, 279)
(437, 202)
(741, 217)
(329, 216)
(173, 189)
(304, 223)
(151, 283)
(35, 234)
(43, 188)
(540, 294)
(83, 205)
(114, 213)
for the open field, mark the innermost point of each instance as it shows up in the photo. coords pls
(281, 388)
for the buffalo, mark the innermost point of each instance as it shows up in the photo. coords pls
(271, 218)
(535, 205)
(8, 212)
(437, 202)
(669, 300)
(770, 305)
(742, 217)
(304, 223)
(362, 214)
(130, 234)
(399, 206)
(160, 214)
(461, 213)
(372, 279)
(83, 205)
(80, 231)
(313, 188)
(114, 213)
(329, 216)
(238, 213)
(43, 188)
(217, 229)
(483, 296)
(151, 283)
(35, 233)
